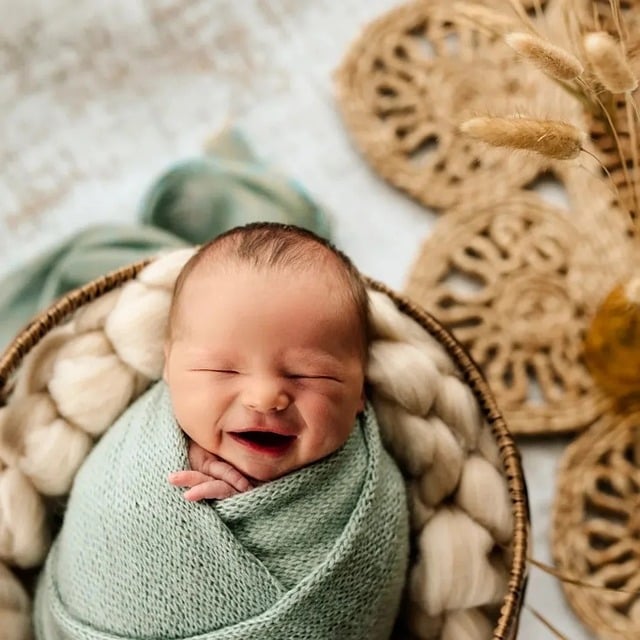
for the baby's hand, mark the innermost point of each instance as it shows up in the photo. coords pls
(210, 477)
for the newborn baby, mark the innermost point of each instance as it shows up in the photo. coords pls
(295, 521)
(265, 358)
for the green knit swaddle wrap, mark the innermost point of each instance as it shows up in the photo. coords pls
(319, 553)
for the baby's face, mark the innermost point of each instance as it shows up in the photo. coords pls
(265, 368)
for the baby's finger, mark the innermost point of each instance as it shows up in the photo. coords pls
(227, 473)
(187, 478)
(212, 490)
(197, 455)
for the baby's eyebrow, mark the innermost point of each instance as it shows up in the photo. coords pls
(208, 356)
(314, 359)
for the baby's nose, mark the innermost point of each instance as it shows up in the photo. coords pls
(266, 396)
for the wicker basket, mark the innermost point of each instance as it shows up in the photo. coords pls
(398, 324)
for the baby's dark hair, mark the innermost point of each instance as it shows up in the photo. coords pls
(265, 245)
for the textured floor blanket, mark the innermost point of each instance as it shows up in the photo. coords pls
(319, 553)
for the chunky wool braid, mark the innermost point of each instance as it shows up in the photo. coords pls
(83, 375)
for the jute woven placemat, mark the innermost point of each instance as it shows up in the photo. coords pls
(596, 528)
(407, 82)
(517, 282)
(516, 278)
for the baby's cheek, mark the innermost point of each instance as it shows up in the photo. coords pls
(318, 408)
(198, 418)
(337, 405)
(328, 427)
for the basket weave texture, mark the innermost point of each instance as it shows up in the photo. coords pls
(465, 484)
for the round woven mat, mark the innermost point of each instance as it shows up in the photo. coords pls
(514, 284)
(406, 84)
(596, 537)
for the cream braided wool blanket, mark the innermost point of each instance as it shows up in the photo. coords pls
(319, 553)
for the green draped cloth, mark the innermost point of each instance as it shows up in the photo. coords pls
(318, 554)
(190, 204)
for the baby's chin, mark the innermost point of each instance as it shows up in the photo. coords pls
(267, 471)
(261, 473)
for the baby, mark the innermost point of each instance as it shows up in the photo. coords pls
(295, 522)
(265, 357)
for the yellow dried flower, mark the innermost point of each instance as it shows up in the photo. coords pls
(609, 63)
(553, 60)
(551, 138)
(612, 343)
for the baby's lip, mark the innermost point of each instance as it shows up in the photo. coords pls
(276, 428)
(267, 441)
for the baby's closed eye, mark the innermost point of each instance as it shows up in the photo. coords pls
(312, 377)
(309, 375)
(225, 371)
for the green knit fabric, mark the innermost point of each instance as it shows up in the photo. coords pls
(319, 553)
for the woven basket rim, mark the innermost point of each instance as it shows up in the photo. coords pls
(507, 624)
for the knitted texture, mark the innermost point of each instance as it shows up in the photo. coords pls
(319, 553)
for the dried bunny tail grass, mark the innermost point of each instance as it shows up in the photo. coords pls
(609, 63)
(483, 18)
(612, 69)
(553, 60)
(550, 138)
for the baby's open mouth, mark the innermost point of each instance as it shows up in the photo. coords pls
(264, 441)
